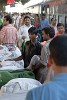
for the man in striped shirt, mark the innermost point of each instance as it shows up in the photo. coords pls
(8, 34)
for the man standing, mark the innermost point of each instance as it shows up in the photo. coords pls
(44, 22)
(8, 33)
(31, 48)
(39, 64)
(23, 31)
(53, 24)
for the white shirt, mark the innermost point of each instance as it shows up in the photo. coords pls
(23, 31)
(55, 28)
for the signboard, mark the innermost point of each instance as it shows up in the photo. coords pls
(12, 5)
(10, 2)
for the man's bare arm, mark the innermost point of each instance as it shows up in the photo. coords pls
(16, 59)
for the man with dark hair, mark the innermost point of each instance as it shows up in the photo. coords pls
(8, 18)
(44, 22)
(33, 30)
(8, 33)
(23, 30)
(60, 24)
(31, 48)
(26, 17)
(49, 31)
(57, 88)
(39, 64)
(61, 29)
(58, 48)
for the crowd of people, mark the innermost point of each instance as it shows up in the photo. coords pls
(43, 46)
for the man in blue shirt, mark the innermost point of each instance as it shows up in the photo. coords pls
(44, 22)
(57, 88)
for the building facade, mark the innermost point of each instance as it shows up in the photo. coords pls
(57, 9)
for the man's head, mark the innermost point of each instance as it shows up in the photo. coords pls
(22, 15)
(37, 17)
(58, 51)
(60, 28)
(53, 21)
(27, 20)
(5, 13)
(7, 20)
(32, 33)
(48, 32)
(43, 16)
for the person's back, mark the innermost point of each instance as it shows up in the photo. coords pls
(57, 88)
(53, 90)
(10, 34)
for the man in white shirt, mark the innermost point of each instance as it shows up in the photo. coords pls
(53, 24)
(23, 30)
